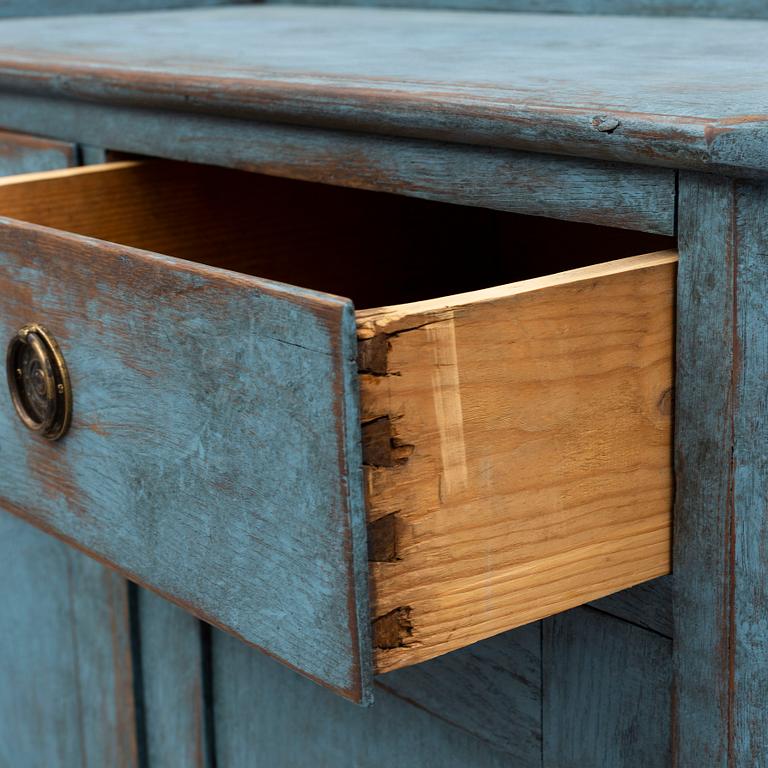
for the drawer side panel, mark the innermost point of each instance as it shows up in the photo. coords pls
(517, 444)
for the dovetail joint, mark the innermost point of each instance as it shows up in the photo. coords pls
(393, 629)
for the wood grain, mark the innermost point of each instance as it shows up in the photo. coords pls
(266, 714)
(606, 693)
(587, 86)
(532, 462)
(491, 689)
(238, 496)
(721, 679)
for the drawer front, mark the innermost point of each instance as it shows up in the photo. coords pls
(213, 453)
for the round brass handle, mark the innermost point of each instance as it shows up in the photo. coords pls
(39, 382)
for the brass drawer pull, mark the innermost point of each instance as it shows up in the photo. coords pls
(39, 382)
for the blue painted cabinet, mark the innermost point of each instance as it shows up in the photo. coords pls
(279, 515)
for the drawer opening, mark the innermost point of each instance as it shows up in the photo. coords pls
(375, 248)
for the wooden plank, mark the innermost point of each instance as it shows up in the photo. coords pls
(739, 9)
(67, 693)
(575, 85)
(491, 689)
(267, 711)
(172, 675)
(504, 515)
(721, 679)
(612, 194)
(237, 496)
(606, 693)
(648, 605)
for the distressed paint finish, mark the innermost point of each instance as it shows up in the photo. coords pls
(25, 154)
(576, 189)
(267, 715)
(214, 452)
(173, 700)
(721, 519)
(648, 605)
(66, 697)
(491, 689)
(606, 693)
(740, 9)
(589, 86)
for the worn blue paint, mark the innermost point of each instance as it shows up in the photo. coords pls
(66, 697)
(25, 154)
(172, 684)
(598, 192)
(491, 689)
(214, 449)
(721, 536)
(542, 83)
(268, 715)
(745, 9)
(606, 693)
(405, 122)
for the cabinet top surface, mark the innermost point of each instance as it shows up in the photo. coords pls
(677, 92)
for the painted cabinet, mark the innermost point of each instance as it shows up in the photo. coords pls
(342, 465)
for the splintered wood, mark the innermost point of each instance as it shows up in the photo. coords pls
(517, 443)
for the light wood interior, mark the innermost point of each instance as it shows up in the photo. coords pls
(517, 438)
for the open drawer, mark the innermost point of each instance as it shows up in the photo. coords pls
(245, 447)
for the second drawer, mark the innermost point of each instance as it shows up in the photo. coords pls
(505, 452)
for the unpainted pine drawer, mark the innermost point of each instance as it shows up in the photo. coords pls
(517, 449)
(236, 441)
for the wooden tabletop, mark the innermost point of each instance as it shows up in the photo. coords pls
(690, 93)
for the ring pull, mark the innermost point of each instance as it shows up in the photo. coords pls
(38, 381)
